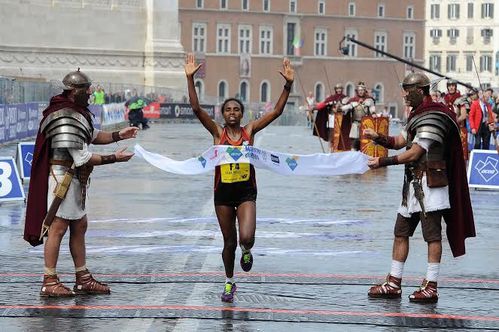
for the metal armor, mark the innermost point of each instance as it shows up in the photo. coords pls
(435, 126)
(362, 109)
(417, 80)
(67, 129)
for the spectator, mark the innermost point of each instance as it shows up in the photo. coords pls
(481, 116)
(99, 96)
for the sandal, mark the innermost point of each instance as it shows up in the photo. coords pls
(390, 289)
(52, 287)
(86, 284)
(427, 293)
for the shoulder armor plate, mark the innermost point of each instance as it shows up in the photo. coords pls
(67, 129)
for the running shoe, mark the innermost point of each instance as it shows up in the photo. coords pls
(246, 261)
(228, 293)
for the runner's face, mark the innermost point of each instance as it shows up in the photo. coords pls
(232, 113)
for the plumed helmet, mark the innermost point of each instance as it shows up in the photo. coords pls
(451, 82)
(75, 80)
(338, 86)
(418, 80)
(361, 85)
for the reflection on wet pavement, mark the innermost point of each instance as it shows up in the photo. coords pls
(320, 243)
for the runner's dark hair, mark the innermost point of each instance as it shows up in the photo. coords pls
(233, 99)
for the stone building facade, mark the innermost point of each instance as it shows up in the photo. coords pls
(242, 43)
(121, 41)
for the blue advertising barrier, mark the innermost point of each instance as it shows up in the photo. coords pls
(10, 184)
(24, 158)
(3, 130)
(483, 169)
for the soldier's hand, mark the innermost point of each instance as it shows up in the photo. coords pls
(473, 131)
(128, 132)
(122, 155)
(373, 162)
(370, 133)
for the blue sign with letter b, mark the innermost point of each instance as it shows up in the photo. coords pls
(10, 183)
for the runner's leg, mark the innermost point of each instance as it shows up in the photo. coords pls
(226, 216)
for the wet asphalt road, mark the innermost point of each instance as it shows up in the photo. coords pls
(320, 243)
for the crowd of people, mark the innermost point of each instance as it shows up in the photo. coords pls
(477, 114)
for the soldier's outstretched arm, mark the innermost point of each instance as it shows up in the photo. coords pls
(106, 137)
(118, 157)
(413, 154)
(389, 142)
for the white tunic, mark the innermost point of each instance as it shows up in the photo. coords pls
(70, 207)
(435, 199)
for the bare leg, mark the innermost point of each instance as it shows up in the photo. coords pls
(77, 230)
(227, 220)
(400, 248)
(53, 243)
(246, 216)
(434, 251)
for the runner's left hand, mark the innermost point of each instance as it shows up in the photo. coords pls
(373, 162)
(287, 71)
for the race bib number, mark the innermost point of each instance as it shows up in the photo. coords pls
(235, 172)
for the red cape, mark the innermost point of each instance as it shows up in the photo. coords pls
(451, 98)
(36, 208)
(322, 117)
(459, 218)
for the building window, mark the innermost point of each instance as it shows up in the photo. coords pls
(349, 89)
(265, 40)
(292, 6)
(453, 11)
(351, 9)
(290, 38)
(320, 42)
(435, 33)
(264, 92)
(381, 10)
(223, 38)
(378, 93)
(199, 3)
(245, 4)
(497, 63)
(199, 89)
(470, 9)
(487, 10)
(469, 62)
(435, 62)
(222, 91)
(409, 45)
(380, 43)
(486, 34)
(453, 33)
(322, 7)
(352, 47)
(435, 11)
(266, 5)
(410, 12)
(245, 39)
(319, 92)
(451, 62)
(485, 63)
(223, 4)
(244, 92)
(198, 37)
